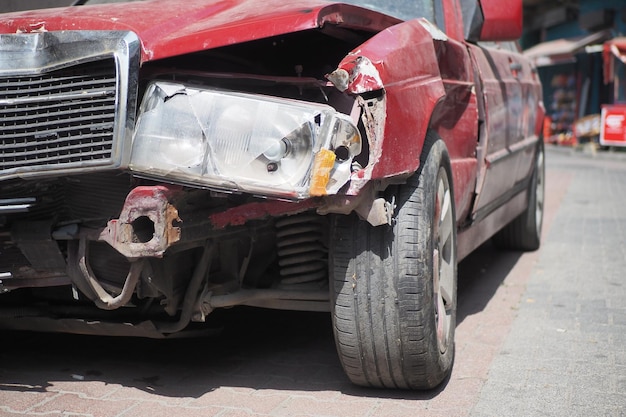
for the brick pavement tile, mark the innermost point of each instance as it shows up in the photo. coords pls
(618, 317)
(547, 379)
(518, 400)
(618, 337)
(74, 404)
(325, 378)
(298, 406)
(90, 389)
(151, 409)
(393, 409)
(288, 383)
(593, 378)
(8, 413)
(239, 413)
(591, 410)
(621, 379)
(457, 399)
(474, 364)
(435, 413)
(491, 335)
(243, 399)
(582, 397)
(323, 395)
(20, 400)
(545, 364)
(175, 395)
(562, 312)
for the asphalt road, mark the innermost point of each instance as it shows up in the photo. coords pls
(540, 333)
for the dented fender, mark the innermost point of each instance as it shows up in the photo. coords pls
(396, 76)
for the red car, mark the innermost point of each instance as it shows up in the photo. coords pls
(161, 159)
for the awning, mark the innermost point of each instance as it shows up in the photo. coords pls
(562, 51)
(614, 48)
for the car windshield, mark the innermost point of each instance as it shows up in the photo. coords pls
(402, 9)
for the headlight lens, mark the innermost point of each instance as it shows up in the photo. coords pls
(237, 141)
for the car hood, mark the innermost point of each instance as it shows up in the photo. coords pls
(169, 28)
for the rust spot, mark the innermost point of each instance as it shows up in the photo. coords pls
(172, 234)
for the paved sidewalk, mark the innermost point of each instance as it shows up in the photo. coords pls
(566, 352)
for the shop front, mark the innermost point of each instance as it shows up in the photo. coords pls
(613, 119)
(571, 73)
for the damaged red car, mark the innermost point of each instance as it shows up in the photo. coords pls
(160, 160)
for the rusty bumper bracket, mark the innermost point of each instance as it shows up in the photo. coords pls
(83, 277)
(145, 226)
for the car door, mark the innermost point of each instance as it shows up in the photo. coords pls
(502, 122)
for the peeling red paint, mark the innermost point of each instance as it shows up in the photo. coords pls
(239, 215)
(362, 75)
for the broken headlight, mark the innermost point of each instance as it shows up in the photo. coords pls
(243, 142)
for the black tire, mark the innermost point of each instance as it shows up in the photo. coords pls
(524, 233)
(389, 285)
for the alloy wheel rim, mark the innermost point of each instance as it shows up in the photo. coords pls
(539, 192)
(443, 261)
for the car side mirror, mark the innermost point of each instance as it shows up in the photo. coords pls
(492, 20)
(502, 20)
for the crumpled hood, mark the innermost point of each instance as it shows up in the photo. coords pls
(169, 28)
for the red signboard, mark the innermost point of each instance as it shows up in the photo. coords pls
(613, 128)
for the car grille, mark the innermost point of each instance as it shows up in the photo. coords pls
(61, 117)
(67, 102)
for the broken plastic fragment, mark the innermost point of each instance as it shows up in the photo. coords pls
(340, 79)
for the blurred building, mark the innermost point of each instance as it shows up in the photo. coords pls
(576, 45)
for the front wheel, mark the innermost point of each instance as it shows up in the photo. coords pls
(394, 288)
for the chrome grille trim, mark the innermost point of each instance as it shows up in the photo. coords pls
(67, 102)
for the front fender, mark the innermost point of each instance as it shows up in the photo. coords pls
(396, 74)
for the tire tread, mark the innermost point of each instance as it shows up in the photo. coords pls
(380, 318)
